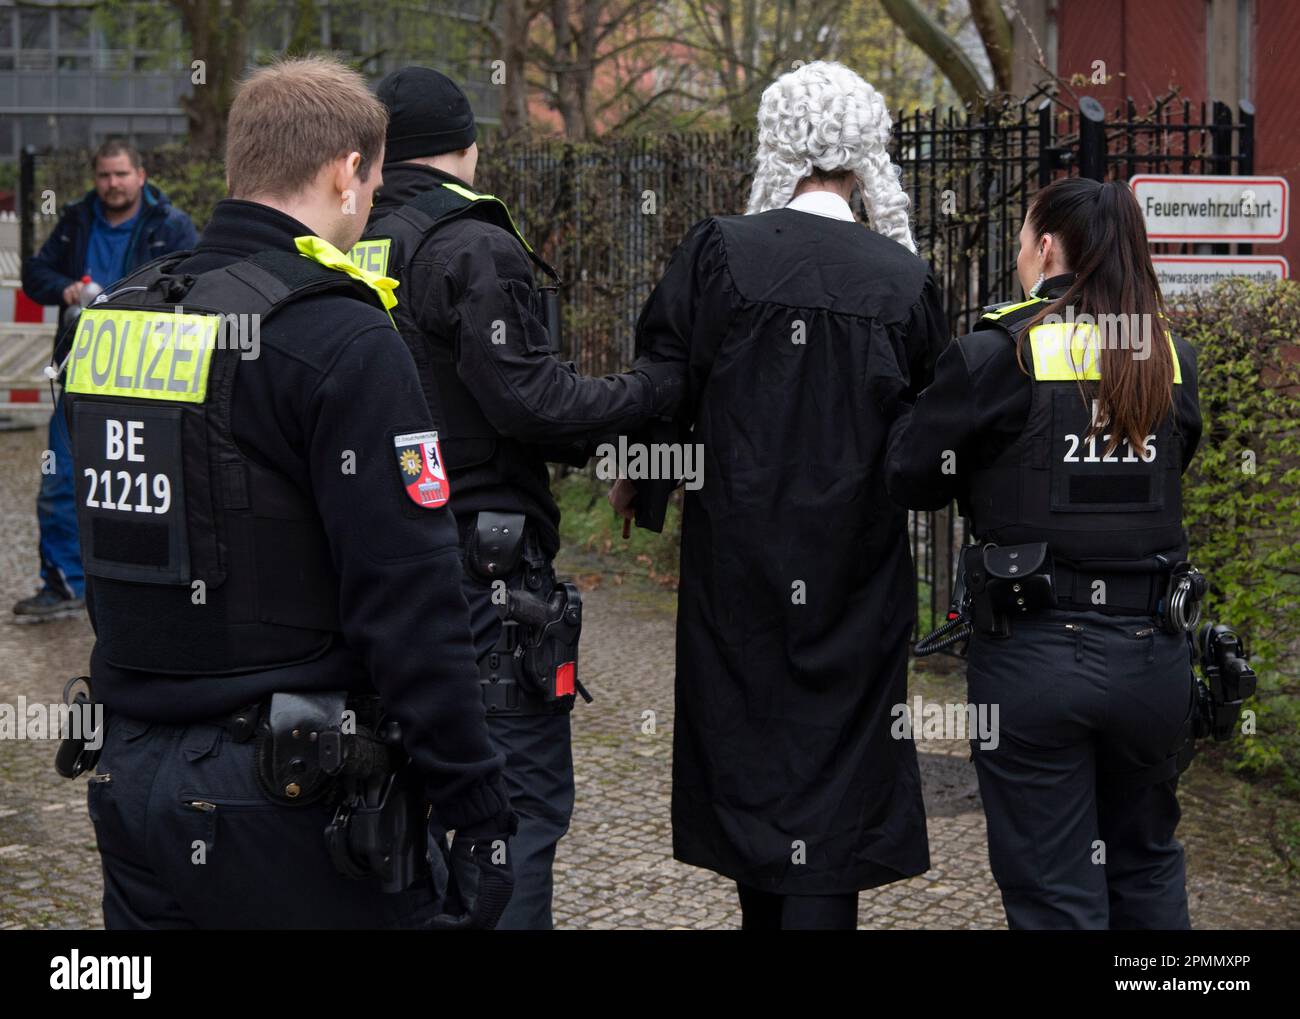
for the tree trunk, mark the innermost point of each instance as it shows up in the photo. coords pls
(221, 42)
(585, 72)
(568, 73)
(514, 106)
(939, 47)
(995, 31)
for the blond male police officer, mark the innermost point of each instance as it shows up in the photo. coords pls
(255, 462)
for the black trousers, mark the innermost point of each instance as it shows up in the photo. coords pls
(1081, 832)
(187, 839)
(539, 776)
(767, 911)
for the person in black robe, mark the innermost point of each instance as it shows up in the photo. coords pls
(799, 331)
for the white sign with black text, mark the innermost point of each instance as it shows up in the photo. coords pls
(1192, 208)
(1183, 274)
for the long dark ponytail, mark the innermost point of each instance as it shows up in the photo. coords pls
(1104, 241)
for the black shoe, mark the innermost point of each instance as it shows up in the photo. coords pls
(47, 604)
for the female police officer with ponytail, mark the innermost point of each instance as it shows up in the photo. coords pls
(1062, 425)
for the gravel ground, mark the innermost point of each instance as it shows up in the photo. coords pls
(615, 868)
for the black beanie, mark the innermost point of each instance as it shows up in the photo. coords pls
(428, 114)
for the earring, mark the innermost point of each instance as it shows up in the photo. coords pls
(1033, 291)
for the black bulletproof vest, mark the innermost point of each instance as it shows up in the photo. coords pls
(390, 241)
(1054, 484)
(198, 560)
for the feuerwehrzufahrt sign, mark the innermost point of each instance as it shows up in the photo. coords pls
(1192, 208)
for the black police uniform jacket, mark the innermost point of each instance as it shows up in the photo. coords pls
(977, 408)
(800, 334)
(468, 292)
(319, 407)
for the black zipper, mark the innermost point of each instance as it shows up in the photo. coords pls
(1077, 630)
(210, 804)
(1150, 634)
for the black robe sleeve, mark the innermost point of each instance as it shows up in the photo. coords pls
(924, 339)
(682, 323)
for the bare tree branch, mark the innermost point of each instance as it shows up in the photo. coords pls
(948, 57)
(995, 30)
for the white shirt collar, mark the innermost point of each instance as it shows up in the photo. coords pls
(822, 203)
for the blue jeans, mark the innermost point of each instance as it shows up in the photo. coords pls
(56, 513)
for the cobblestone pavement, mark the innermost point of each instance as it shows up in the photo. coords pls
(615, 868)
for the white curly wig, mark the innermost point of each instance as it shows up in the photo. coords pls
(823, 116)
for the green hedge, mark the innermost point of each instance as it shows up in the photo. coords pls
(1242, 500)
(194, 185)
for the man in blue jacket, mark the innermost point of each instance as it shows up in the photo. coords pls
(120, 225)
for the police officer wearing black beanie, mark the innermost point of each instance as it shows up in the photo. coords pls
(476, 324)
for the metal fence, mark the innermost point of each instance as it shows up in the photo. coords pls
(609, 214)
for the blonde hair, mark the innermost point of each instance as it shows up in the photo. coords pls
(823, 117)
(291, 118)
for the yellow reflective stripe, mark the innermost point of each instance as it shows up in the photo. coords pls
(465, 192)
(324, 253)
(372, 255)
(1011, 307)
(144, 355)
(1058, 360)
(474, 196)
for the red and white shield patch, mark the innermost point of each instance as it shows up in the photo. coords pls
(419, 460)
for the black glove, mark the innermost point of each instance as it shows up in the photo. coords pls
(487, 847)
(667, 383)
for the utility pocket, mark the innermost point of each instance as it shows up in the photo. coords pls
(528, 326)
(201, 818)
(96, 792)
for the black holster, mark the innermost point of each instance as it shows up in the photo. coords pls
(1229, 681)
(309, 750)
(379, 830)
(1006, 581)
(533, 669)
(551, 645)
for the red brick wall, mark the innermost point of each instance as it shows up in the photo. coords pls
(1148, 45)
(1152, 45)
(1276, 86)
